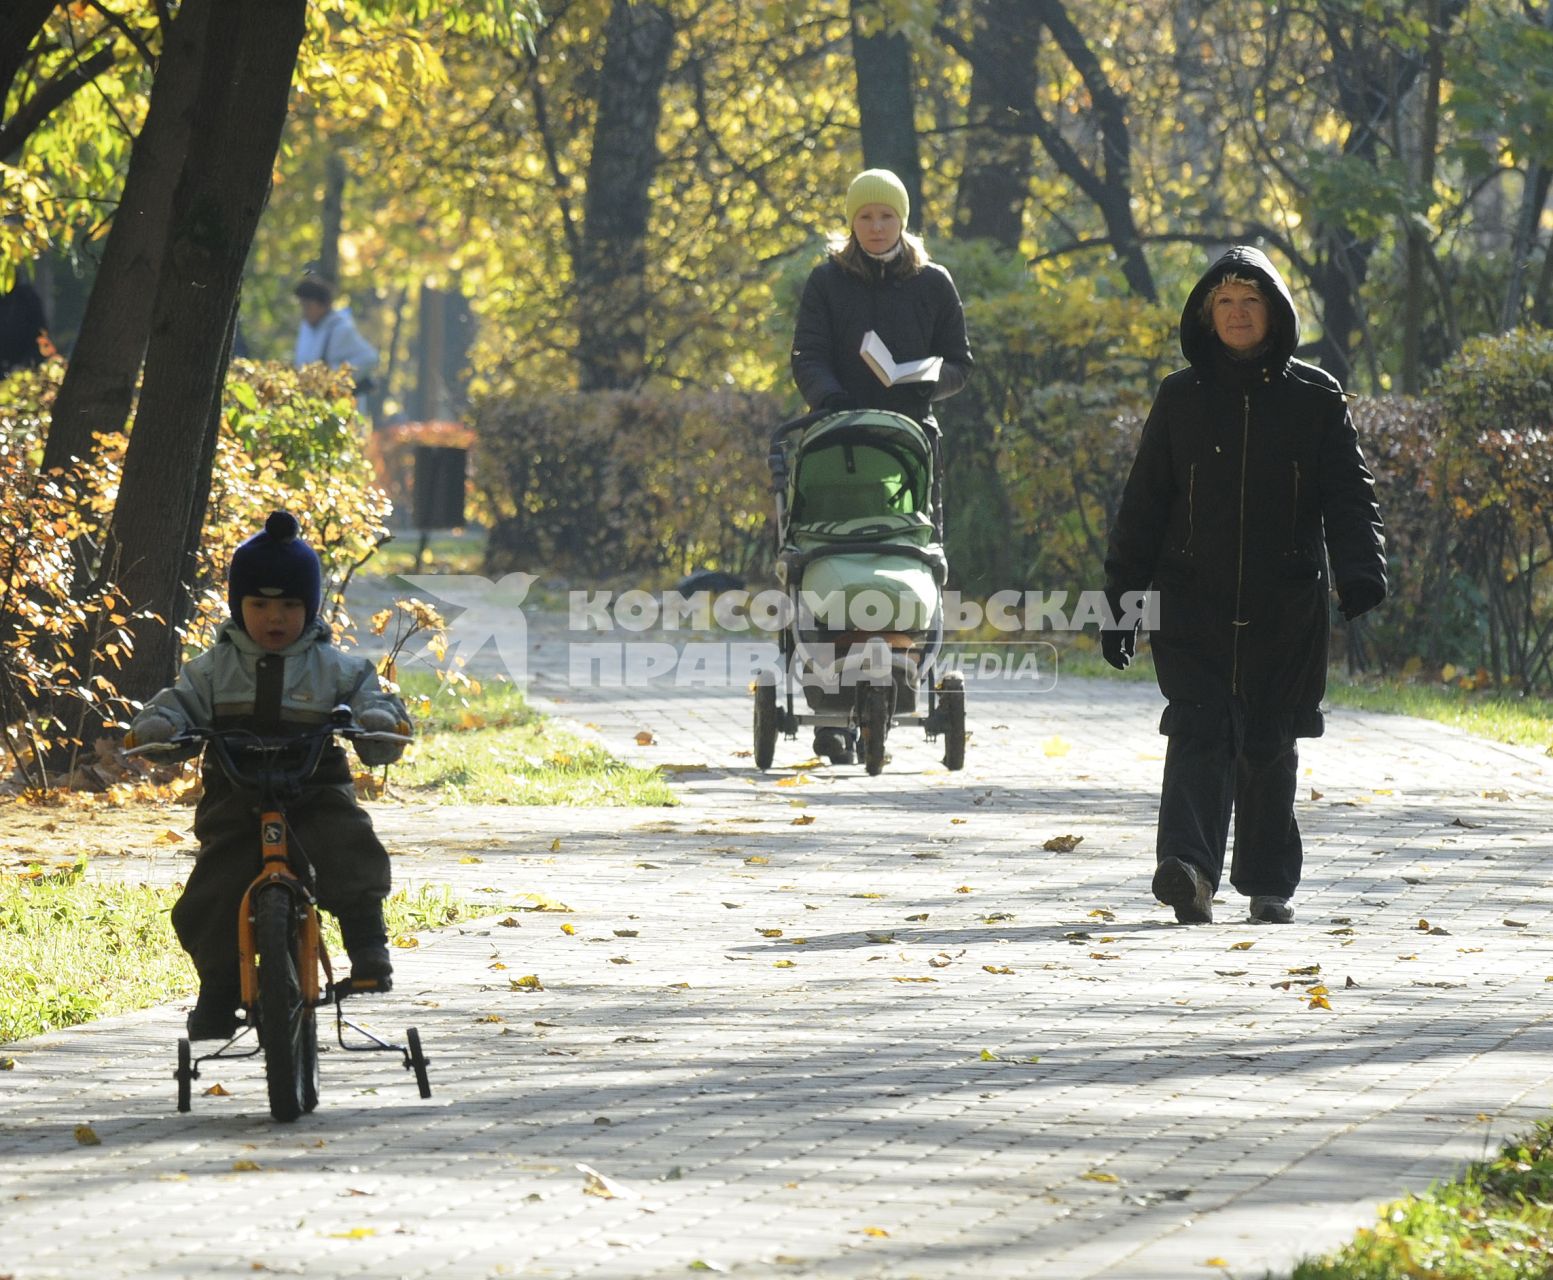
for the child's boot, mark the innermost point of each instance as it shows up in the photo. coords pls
(366, 942)
(214, 1016)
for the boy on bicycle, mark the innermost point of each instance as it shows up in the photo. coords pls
(274, 669)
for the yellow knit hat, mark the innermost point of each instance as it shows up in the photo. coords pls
(877, 186)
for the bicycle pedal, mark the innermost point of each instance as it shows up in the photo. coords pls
(369, 986)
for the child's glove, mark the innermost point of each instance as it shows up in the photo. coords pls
(149, 728)
(379, 720)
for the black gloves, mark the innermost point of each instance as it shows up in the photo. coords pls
(1117, 646)
(1358, 597)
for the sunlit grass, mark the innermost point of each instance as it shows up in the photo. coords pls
(73, 949)
(1493, 1223)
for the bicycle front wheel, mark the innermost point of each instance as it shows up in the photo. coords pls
(288, 1026)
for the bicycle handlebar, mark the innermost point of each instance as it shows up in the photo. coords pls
(269, 772)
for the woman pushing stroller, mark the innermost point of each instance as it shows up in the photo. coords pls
(877, 277)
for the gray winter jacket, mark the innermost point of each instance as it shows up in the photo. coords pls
(222, 687)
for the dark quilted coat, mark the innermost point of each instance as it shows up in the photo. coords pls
(1248, 495)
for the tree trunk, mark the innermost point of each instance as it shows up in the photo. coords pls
(611, 264)
(99, 384)
(21, 21)
(1110, 186)
(884, 104)
(995, 183)
(333, 217)
(244, 87)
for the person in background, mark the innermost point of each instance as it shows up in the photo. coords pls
(876, 276)
(328, 335)
(1248, 484)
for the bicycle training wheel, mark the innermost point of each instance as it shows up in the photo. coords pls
(951, 709)
(185, 1075)
(417, 1061)
(876, 724)
(288, 1027)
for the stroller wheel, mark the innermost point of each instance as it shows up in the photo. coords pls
(951, 714)
(765, 724)
(876, 724)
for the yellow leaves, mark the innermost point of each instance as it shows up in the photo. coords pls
(1099, 1175)
(645, 739)
(216, 1091)
(1214, 1262)
(1242, 946)
(803, 820)
(769, 933)
(169, 837)
(247, 1166)
(996, 968)
(570, 930)
(87, 1136)
(795, 780)
(965, 888)
(538, 902)
(914, 979)
(1063, 844)
(1103, 913)
(784, 964)
(528, 982)
(756, 860)
(355, 1233)
(490, 1019)
(407, 941)
(1055, 747)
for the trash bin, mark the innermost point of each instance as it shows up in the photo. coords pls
(439, 486)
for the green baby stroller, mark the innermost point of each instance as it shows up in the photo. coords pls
(859, 532)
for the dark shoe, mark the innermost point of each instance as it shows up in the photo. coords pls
(836, 745)
(214, 1016)
(1271, 910)
(1181, 885)
(371, 970)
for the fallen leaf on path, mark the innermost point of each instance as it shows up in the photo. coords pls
(625, 933)
(1305, 969)
(803, 820)
(1516, 924)
(769, 933)
(922, 915)
(87, 1136)
(1099, 1175)
(965, 888)
(1056, 746)
(1241, 946)
(1103, 913)
(915, 979)
(996, 968)
(1063, 844)
(879, 1233)
(757, 860)
(570, 930)
(1230, 973)
(1462, 822)
(645, 738)
(595, 1183)
(528, 982)
(170, 837)
(216, 1091)
(355, 1233)
(246, 1166)
(784, 964)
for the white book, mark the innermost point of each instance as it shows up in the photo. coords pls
(878, 358)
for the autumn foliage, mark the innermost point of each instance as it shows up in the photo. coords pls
(288, 440)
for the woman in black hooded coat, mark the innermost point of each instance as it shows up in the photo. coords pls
(1248, 484)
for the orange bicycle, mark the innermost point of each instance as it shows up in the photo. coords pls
(280, 945)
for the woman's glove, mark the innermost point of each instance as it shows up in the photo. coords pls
(1117, 646)
(1358, 597)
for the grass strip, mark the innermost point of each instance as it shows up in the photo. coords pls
(481, 743)
(73, 949)
(1495, 1222)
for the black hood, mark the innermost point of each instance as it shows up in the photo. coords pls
(1198, 341)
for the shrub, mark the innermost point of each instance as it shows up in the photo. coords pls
(614, 482)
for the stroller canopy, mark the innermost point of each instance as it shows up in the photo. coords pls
(858, 465)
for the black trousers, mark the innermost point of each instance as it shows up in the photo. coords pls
(350, 871)
(1208, 777)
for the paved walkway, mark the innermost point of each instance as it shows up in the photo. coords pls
(814, 1024)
